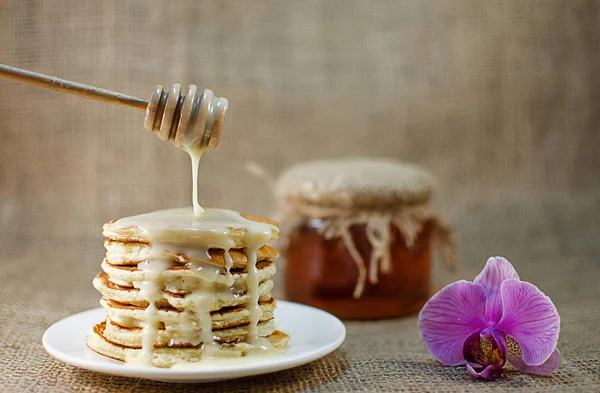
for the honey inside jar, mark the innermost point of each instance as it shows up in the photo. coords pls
(368, 255)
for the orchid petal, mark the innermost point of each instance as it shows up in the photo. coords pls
(449, 317)
(496, 270)
(515, 358)
(530, 318)
(490, 372)
(470, 347)
(512, 352)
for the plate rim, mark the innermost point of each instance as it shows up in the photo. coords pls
(199, 375)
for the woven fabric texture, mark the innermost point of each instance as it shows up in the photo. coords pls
(499, 99)
(355, 184)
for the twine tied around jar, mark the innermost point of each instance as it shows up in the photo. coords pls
(409, 220)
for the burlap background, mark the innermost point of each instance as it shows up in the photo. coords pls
(499, 98)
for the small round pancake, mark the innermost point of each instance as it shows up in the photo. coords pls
(132, 316)
(223, 297)
(169, 337)
(134, 228)
(166, 356)
(264, 220)
(181, 279)
(131, 253)
(161, 357)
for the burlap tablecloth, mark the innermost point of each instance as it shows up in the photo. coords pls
(498, 98)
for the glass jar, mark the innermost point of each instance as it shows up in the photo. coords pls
(359, 236)
(322, 273)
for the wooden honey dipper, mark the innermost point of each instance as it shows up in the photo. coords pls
(193, 121)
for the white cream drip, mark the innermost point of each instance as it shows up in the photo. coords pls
(207, 272)
(195, 156)
(195, 143)
(182, 230)
(252, 287)
(211, 229)
(218, 362)
(151, 290)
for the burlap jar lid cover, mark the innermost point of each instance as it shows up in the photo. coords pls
(372, 192)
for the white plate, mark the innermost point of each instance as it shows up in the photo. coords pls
(313, 334)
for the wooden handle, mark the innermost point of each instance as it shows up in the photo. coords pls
(74, 88)
(192, 121)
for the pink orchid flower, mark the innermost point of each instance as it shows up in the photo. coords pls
(494, 319)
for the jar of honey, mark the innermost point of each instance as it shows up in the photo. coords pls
(359, 235)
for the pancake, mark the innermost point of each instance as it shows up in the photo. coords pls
(134, 228)
(167, 357)
(131, 253)
(169, 337)
(225, 297)
(174, 280)
(131, 316)
(182, 279)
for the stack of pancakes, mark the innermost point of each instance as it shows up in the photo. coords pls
(187, 284)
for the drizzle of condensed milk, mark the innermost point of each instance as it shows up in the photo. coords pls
(151, 291)
(195, 156)
(218, 362)
(198, 138)
(212, 228)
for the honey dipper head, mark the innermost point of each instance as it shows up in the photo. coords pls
(191, 121)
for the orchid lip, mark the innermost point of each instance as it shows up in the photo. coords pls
(482, 349)
(490, 372)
